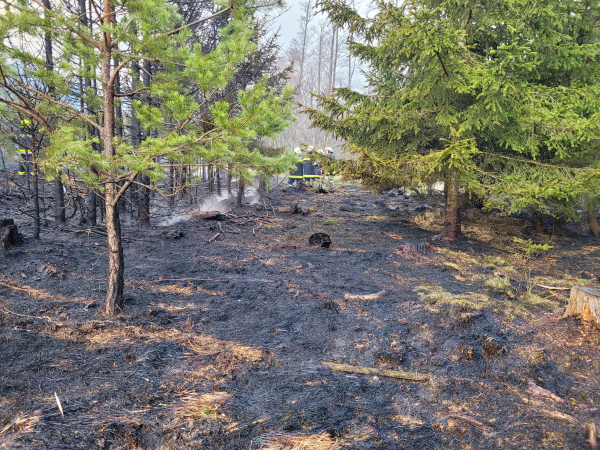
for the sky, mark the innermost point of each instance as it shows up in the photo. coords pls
(288, 22)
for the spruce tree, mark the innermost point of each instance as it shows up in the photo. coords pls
(125, 32)
(499, 98)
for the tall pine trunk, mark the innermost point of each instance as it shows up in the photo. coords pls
(142, 199)
(451, 220)
(539, 224)
(229, 169)
(592, 220)
(240, 193)
(218, 180)
(113, 299)
(59, 195)
(36, 192)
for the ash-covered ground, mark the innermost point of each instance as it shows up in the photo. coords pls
(222, 343)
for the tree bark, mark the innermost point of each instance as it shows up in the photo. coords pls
(113, 299)
(240, 193)
(59, 195)
(557, 229)
(218, 180)
(592, 220)
(229, 169)
(539, 225)
(452, 220)
(211, 185)
(36, 193)
(144, 197)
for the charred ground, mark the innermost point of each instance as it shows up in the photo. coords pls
(222, 344)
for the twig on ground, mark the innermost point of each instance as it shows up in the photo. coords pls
(60, 408)
(213, 238)
(593, 436)
(27, 316)
(471, 421)
(408, 376)
(365, 297)
(553, 288)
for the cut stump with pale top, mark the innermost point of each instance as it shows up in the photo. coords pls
(584, 302)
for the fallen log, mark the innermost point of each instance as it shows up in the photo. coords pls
(408, 376)
(585, 302)
(365, 297)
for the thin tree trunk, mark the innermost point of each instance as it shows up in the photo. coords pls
(539, 224)
(115, 281)
(144, 198)
(592, 220)
(4, 166)
(319, 62)
(113, 300)
(36, 193)
(59, 206)
(211, 186)
(557, 229)
(229, 169)
(335, 58)
(452, 220)
(331, 76)
(91, 197)
(240, 193)
(218, 179)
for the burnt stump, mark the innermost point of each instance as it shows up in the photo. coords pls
(9, 233)
(320, 239)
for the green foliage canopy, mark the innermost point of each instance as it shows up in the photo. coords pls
(504, 93)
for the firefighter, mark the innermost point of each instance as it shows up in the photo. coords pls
(25, 157)
(310, 169)
(297, 174)
(330, 167)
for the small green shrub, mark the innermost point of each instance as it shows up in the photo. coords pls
(331, 222)
(529, 248)
(494, 261)
(501, 285)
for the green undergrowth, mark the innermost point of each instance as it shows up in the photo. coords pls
(435, 296)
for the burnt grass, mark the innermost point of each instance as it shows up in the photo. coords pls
(221, 345)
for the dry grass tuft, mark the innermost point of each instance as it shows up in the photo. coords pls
(286, 441)
(197, 406)
(174, 289)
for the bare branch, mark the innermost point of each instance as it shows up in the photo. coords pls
(196, 22)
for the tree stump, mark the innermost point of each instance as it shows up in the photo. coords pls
(9, 233)
(320, 239)
(585, 302)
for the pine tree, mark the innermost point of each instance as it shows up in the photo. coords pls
(498, 98)
(128, 31)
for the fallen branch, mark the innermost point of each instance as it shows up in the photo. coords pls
(537, 390)
(593, 436)
(213, 238)
(408, 376)
(365, 297)
(553, 288)
(471, 421)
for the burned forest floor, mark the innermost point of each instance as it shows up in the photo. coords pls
(223, 340)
